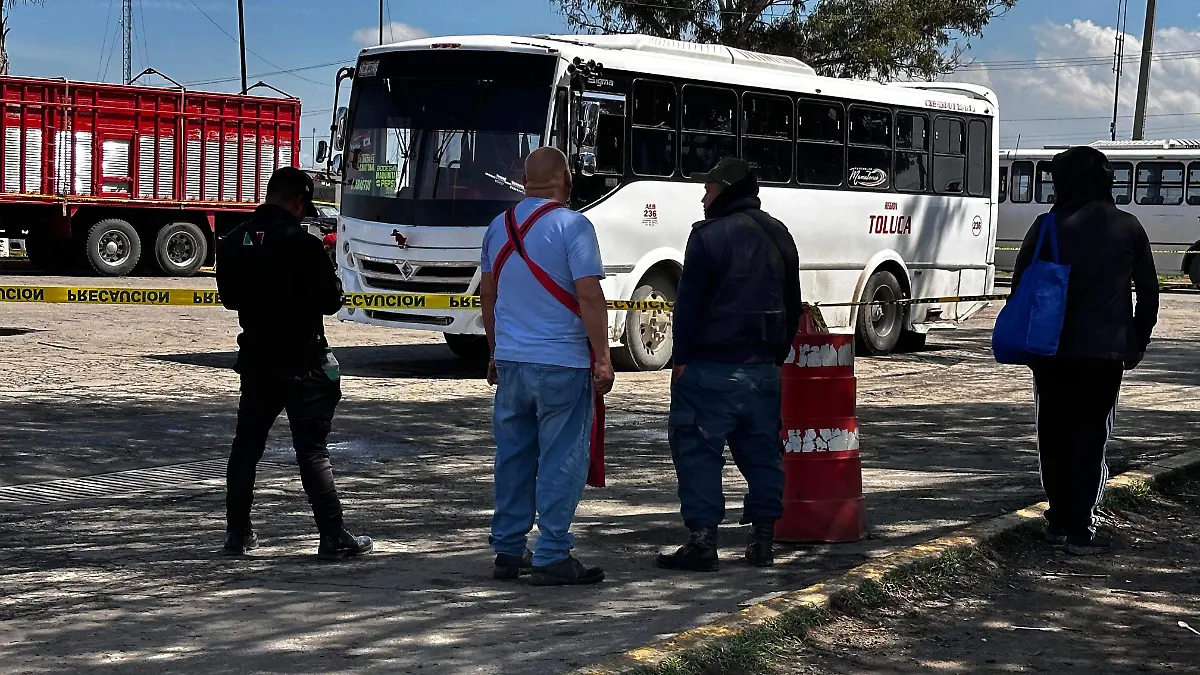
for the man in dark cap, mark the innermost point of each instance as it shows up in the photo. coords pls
(1103, 335)
(736, 314)
(282, 285)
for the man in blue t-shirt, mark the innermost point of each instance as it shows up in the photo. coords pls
(546, 378)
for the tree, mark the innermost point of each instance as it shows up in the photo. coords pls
(5, 4)
(880, 39)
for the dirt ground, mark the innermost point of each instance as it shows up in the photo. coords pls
(114, 422)
(1041, 611)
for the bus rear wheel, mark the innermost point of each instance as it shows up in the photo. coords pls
(648, 339)
(881, 325)
(1194, 270)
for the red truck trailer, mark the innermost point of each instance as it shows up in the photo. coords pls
(134, 177)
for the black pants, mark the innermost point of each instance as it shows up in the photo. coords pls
(1076, 403)
(309, 401)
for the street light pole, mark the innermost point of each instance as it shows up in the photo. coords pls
(1143, 91)
(380, 21)
(242, 41)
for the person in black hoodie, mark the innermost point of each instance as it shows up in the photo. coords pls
(279, 280)
(1103, 335)
(736, 314)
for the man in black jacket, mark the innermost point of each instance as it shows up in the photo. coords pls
(279, 280)
(736, 314)
(1076, 390)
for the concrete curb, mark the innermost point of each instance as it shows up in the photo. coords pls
(823, 595)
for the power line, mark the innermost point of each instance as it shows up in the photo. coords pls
(1101, 117)
(282, 70)
(288, 71)
(104, 42)
(140, 24)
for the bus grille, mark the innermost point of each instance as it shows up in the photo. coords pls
(454, 278)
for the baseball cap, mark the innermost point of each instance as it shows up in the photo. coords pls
(728, 171)
(290, 180)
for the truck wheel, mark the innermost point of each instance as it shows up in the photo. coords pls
(113, 247)
(470, 348)
(181, 249)
(648, 340)
(880, 326)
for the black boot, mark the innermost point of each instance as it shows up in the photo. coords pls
(239, 543)
(761, 551)
(698, 555)
(343, 545)
(569, 572)
(512, 566)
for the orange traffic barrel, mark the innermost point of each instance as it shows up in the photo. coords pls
(822, 493)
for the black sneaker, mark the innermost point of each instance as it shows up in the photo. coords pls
(761, 551)
(239, 543)
(569, 572)
(1055, 536)
(698, 555)
(513, 567)
(343, 545)
(1098, 544)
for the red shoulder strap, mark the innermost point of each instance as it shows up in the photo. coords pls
(510, 223)
(548, 283)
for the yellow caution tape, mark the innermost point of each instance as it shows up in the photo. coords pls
(191, 297)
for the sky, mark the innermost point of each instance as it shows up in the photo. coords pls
(1050, 61)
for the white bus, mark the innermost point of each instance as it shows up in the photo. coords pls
(889, 190)
(1157, 181)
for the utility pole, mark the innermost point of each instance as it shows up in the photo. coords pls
(380, 21)
(1139, 108)
(242, 41)
(1119, 60)
(127, 40)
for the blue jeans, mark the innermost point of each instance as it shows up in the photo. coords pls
(542, 422)
(718, 402)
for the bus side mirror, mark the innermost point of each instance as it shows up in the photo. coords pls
(339, 128)
(322, 152)
(586, 161)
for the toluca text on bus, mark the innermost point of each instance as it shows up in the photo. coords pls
(889, 190)
(1157, 181)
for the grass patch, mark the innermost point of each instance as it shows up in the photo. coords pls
(1128, 497)
(756, 651)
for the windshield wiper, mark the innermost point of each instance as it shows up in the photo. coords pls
(510, 184)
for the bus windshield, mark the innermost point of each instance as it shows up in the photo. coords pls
(440, 138)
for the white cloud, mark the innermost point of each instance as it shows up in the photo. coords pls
(392, 32)
(1079, 96)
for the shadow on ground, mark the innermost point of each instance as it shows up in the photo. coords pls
(134, 585)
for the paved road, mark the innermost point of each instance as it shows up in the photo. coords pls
(131, 583)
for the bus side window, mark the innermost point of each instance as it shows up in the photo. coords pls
(820, 143)
(949, 155)
(912, 152)
(1122, 189)
(652, 137)
(1193, 185)
(870, 156)
(1045, 184)
(1159, 183)
(709, 134)
(1020, 182)
(1003, 183)
(978, 143)
(767, 136)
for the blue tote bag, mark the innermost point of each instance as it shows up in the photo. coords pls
(1031, 322)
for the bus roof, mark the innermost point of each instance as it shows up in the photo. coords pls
(1171, 147)
(715, 63)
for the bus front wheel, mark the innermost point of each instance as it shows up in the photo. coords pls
(470, 348)
(881, 323)
(648, 338)
(1194, 270)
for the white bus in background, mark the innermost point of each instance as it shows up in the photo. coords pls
(889, 190)
(1157, 181)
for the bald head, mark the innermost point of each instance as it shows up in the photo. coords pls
(547, 174)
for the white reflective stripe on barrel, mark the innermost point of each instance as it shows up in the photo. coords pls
(821, 440)
(821, 356)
